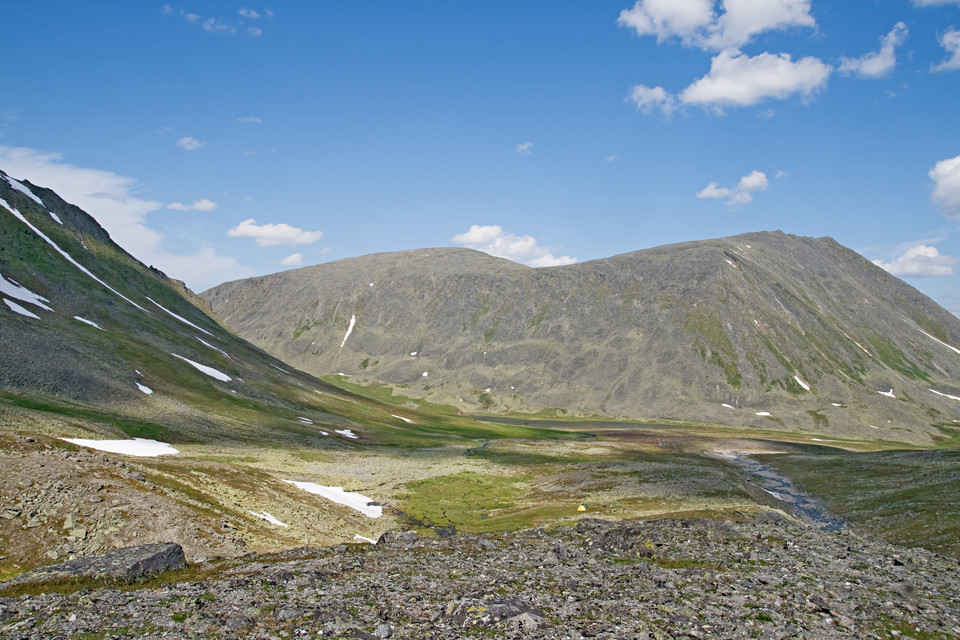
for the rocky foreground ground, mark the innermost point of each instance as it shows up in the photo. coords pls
(758, 576)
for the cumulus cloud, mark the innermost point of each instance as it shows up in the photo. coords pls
(525, 149)
(946, 191)
(935, 3)
(685, 19)
(650, 99)
(199, 205)
(950, 41)
(114, 201)
(739, 195)
(494, 240)
(293, 260)
(252, 119)
(744, 19)
(273, 235)
(189, 143)
(878, 63)
(249, 13)
(739, 80)
(921, 260)
(696, 23)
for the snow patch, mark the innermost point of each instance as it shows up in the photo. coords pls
(18, 309)
(304, 420)
(859, 345)
(425, 374)
(202, 368)
(279, 369)
(55, 217)
(889, 394)
(724, 404)
(22, 188)
(836, 404)
(89, 322)
(357, 501)
(952, 348)
(359, 538)
(139, 447)
(269, 518)
(353, 321)
(145, 389)
(212, 347)
(347, 433)
(774, 494)
(945, 395)
(407, 420)
(763, 413)
(14, 290)
(803, 384)
(180, 318)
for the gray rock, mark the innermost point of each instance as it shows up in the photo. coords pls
(126, 564)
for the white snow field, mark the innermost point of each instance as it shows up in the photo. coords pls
(357, 501)
(202, 368)
(139, 447)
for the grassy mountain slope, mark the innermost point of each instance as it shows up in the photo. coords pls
(801, 329)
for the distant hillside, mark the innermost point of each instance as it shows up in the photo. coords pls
(763, 330)
(89, 331)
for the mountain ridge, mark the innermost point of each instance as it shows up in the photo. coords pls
(718, 331)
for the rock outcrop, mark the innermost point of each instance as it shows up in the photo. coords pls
(127, 563)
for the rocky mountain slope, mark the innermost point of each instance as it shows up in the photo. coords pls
(750, 577)
(764, 330)
(95, 345)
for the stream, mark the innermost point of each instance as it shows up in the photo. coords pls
(780, 487)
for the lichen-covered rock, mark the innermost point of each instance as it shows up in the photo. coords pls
(127, 563)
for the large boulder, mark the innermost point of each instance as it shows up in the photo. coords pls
(127, 563)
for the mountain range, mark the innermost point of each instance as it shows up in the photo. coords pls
(761, 331)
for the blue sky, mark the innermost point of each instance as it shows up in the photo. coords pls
(218, 141)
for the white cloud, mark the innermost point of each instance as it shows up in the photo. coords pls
(256, 32)
(667, 18)
(249, 13)
(190, 143)
(739, 195)
(112, 199)
(293, 260)
(744, 19)
(935, 3)
(650, 99)
(525, 149)
(695, 22)
(199, 205)
(611, 158)
(216, 25)
(878, 63)
(494, 240)
(950, 41)
(739, 80)
(946, 192)
(272, 235)
(252, 119)
(921, 260)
